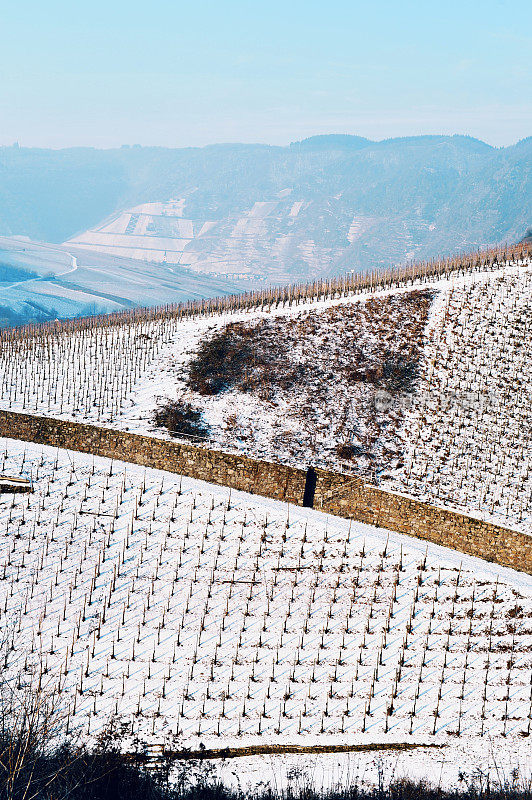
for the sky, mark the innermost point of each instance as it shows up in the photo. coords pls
(177, 74)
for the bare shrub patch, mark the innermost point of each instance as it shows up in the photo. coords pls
(181, 419)
(318, 376)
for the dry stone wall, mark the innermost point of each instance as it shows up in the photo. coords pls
(277, 481)
(334, 493)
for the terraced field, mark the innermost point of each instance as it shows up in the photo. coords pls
(188, 614)
(424, 388)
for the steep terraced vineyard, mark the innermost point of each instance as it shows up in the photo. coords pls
(184, 616)
(468, 436)
(189, 614)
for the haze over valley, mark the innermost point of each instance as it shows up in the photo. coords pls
(146, 226)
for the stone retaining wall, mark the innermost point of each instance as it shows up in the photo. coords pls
(239, 472)
(334, 493)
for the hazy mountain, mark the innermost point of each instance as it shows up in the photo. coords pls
(325, 205)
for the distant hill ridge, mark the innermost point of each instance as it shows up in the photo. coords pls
(336, 202)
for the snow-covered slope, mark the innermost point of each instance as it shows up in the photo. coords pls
(424, 389)
(40, 282)
(194, 615)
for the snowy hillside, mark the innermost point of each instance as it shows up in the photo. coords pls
(424, 389)
(40, 282)
(191, 615)
(318, 207)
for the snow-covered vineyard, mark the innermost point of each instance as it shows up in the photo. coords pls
(469, 433)
(192, 615)
(424, 389)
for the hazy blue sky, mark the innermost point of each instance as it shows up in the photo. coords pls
(190, 73)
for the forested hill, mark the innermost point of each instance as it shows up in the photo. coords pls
(335, 202)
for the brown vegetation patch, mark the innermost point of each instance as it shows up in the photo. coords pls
(284, 749)
(180, 419)
(376, 342)
(332, 380)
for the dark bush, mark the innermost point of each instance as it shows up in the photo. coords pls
(181, 419)
(248, 358)
(399, 373)
(395, 373)
(221, 361)
(77, 774)
(348, 451)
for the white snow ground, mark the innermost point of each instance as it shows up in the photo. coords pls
(194, 615)
(64, 284)
(456, 765)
